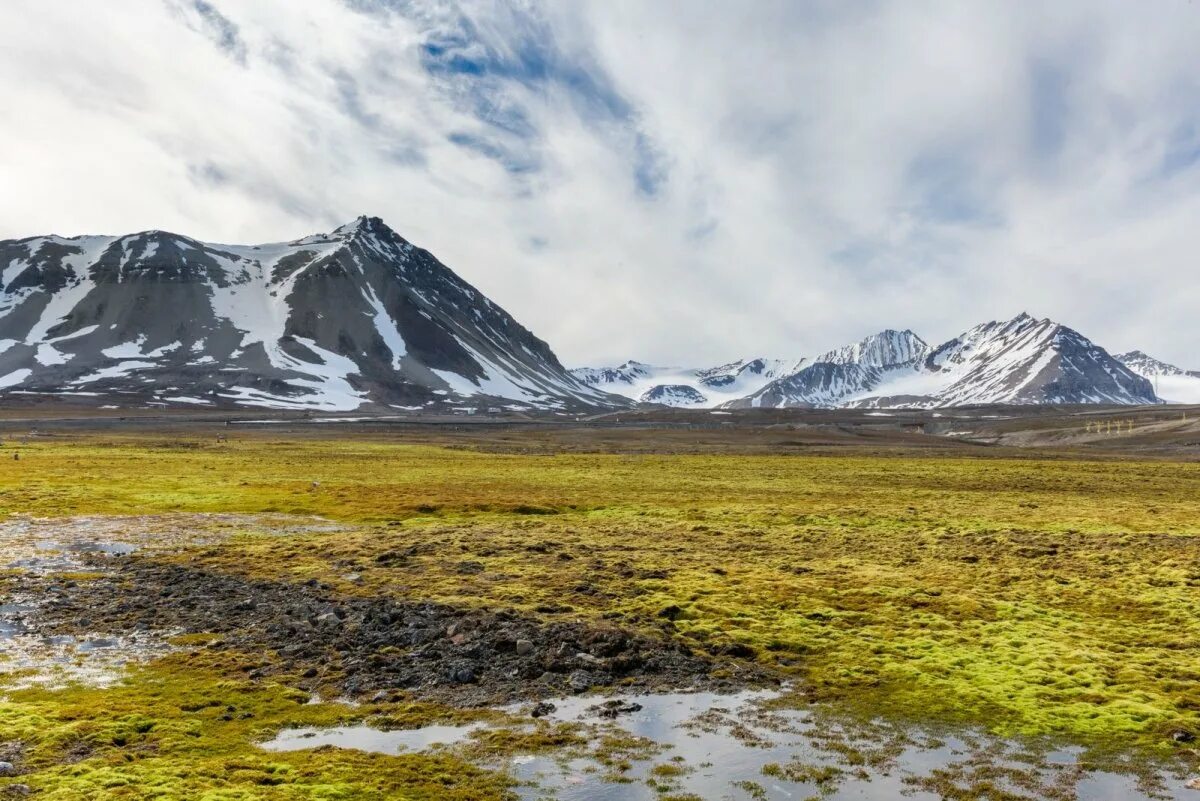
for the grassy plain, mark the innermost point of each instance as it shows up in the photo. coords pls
(1025, 595)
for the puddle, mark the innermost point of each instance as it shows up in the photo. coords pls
(740, 748)
(365, 738)
(48, 546)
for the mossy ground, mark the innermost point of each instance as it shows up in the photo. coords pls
(1028, 596)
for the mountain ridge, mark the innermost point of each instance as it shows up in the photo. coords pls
(1024, 360)
(357, 316)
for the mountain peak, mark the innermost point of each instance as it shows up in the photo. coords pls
(886, 348)
(363, 224)
(330, 321)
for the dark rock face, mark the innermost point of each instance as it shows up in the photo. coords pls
(334, 321)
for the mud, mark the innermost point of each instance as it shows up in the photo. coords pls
(368, 648)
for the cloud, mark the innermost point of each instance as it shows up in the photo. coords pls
(662, 181)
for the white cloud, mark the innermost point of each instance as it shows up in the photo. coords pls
(664, 181)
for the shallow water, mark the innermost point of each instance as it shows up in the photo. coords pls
(725, 741)
(48, 546)
(365, 738)
(717, 747)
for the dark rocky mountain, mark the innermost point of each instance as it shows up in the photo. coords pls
(357, 317)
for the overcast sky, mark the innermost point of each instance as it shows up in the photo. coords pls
(677, 182)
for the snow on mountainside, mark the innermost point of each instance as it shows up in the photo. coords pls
(1021, 361)
(673, 395)
(330, 321)
(845, 374)
(666, 385)
(1172, 384)
(1029, 361)
(885, 349)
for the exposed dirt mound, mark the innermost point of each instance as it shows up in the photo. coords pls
(361, 647)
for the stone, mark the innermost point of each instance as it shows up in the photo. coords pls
(579, 681)
(611, 709)
(542, 708)
(524, 647)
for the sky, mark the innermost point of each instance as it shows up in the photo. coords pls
(674, 181)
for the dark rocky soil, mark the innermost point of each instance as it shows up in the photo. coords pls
(367, 648)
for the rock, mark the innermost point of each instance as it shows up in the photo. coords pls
(461, 675)
(1194, 784)
(611, 709)
(524, 647)
(8, 769)
(580, 681)
(18, 790)
(1182, 736)
(588, 659)
(541, 709)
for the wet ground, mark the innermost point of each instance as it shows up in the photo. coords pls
(42, 559)
(747, 747)
(81, 599)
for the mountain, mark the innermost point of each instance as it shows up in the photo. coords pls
(844, 374)
(1173, 384)
(673, 395)
(355, 317)
(709, 386)
(1021, 361)
(1029, 361)
(888, 348)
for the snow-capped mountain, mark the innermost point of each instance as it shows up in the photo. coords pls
(886, 349)
(1021, 361)
(673, 395)
(331, 321)
(679, 386)
(845, 374)
(1172, 384)
(1029, 361)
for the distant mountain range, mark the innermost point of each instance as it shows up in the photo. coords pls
(1172, 384)
(359, 318)
(1023, 361)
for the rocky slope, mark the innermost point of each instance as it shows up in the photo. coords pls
(1021, 361)
(1172, 384)
(356, 317)
(1024, 361)
(694, 387)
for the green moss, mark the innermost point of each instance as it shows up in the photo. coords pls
(1025, 595)
(178, 730)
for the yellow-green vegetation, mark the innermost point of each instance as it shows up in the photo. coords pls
(184, 729)
(1028, 596)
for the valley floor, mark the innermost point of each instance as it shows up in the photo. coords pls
(178, 595)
